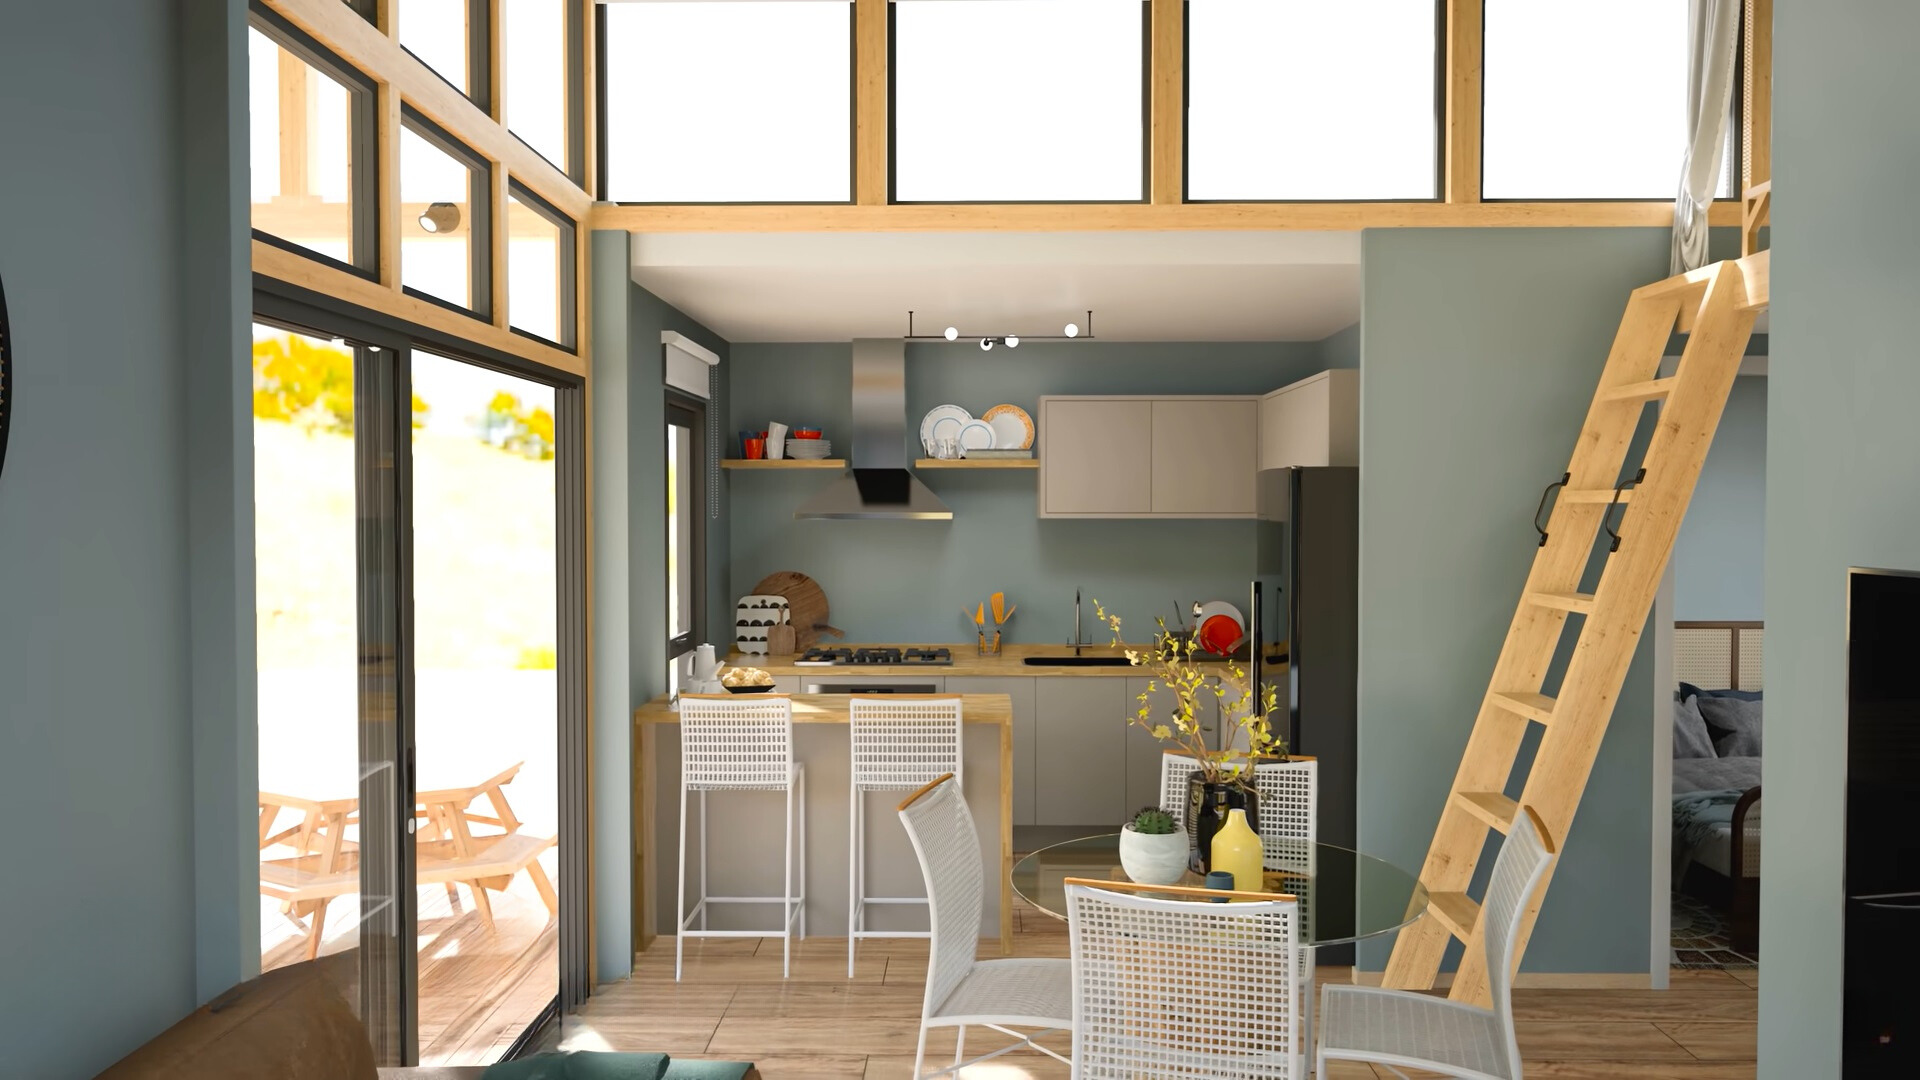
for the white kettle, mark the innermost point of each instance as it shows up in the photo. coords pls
(705, 678)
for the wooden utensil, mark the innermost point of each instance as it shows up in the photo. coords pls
(806, 606)
(781, 639)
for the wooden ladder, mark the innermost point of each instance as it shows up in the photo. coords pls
(1640, 509)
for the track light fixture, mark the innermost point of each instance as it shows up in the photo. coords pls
(440, 217)
(1071, 332)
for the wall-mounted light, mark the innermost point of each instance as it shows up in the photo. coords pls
(440, 217)
(1011, 341)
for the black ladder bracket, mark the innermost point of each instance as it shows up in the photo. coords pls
(1607, 519)
(1541, 510)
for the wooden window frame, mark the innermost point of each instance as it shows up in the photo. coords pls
(1460, 205)
(364, 193)
(1148, 100)
(569, 298)
(361, 39)
(857, 115)
(483, 223)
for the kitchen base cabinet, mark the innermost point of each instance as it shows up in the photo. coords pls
(1020, 692)
(1080, 751)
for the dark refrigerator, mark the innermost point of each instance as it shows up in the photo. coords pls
(1305, 614)
(1881, 1024)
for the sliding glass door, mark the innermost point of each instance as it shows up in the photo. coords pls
(485, 719)
(419, 550)
(329, 770)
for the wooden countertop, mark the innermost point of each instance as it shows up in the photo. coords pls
(832, 709)
(1010, 664)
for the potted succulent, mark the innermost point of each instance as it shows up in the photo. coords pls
(1153, 848)
(1223, 779)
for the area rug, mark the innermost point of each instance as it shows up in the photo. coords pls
(1700, 938)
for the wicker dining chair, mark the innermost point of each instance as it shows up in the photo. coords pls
(1184, 988)
(962, 991)
(1398, 1029)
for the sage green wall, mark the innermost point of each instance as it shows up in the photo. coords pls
(1843, 465)
(1719, 558)
(908, 580)
(126, 603)
(629, 501)
(1480, 349)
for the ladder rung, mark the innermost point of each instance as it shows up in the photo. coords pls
(1456, 911)
(1532, 706)
(1593, 495)
(1641, 391)
(1563, 601)
(1489, 806)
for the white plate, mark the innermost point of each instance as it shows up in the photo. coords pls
(976, 435)
(1012, 427)
(934, 418)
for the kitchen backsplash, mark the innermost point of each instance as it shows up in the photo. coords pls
(908, 581)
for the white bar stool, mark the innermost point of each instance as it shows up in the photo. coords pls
(900, 743)
(743, 742)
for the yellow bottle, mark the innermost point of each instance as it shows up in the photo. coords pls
(1236, 850)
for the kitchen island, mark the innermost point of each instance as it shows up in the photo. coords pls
(744, 834)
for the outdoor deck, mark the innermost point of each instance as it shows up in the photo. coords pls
(478, 988)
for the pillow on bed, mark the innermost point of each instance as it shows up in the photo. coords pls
(1691, 739)
(1688, 690)
(1735, 725)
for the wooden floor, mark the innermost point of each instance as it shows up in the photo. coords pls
(479, 988)
(734, 1005)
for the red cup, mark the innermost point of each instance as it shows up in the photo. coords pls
(755, 448)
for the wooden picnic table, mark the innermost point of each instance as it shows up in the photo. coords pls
(327, 861)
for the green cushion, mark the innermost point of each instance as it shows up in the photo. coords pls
(582, 1066)
(707, 1070)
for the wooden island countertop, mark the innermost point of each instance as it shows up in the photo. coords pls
(833, 709)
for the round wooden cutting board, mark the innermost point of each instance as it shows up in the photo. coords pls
(806, 605)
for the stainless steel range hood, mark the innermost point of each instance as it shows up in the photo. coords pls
(879, 488)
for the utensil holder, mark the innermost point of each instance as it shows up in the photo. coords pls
(988, 646)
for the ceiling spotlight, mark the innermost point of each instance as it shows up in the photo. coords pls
(986, 344)
(1073, 330)
(1012, 342)
(952, 333)
(440, 217)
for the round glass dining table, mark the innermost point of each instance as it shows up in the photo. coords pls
(1344, 895)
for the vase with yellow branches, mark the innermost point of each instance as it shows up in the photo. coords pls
(1223, 776)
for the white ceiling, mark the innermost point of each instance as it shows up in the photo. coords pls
(1141, 286)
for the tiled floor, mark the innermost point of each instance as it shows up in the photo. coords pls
(734, 1005)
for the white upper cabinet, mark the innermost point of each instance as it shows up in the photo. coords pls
(1316, 421)
(1120, 457)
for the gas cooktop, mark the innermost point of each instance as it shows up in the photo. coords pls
(927, 656)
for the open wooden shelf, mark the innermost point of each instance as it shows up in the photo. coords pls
(981, 463)
(783, 463)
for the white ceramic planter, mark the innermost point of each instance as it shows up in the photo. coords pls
(1154, 859)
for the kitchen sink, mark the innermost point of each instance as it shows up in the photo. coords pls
(1076, 661)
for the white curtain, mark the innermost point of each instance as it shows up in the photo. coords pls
(1713, 34)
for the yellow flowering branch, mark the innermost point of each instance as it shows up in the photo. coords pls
(1171, 664)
